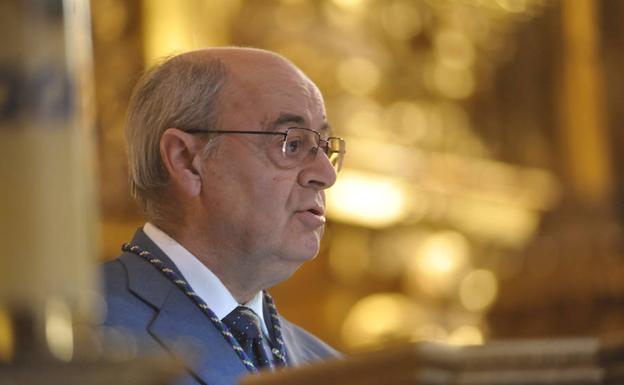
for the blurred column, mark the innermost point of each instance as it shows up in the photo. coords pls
(48, 212)
(583, 119)
(47, 200)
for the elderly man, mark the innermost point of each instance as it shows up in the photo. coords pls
(230, 154)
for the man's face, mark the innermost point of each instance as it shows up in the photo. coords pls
(267, 215)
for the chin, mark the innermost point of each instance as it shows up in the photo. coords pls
(310, 246)
(297, 254)
(307, 251)
(283, 271)
(301, 255)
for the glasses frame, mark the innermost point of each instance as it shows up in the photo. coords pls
(322, 143)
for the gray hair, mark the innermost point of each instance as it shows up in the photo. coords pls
(181, 92)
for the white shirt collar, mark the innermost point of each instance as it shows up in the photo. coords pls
(203, 281)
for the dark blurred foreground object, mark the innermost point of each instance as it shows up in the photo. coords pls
(135, 372)
(49, 306)
(578, 361)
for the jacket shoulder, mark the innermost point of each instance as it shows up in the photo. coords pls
(305, 345)
(123, 308)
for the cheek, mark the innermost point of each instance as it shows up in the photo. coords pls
(265, 202)
(283, 190)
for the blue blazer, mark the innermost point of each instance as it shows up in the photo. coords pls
(142, 300)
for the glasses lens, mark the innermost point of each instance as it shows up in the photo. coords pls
(298, 144)
(301, 144)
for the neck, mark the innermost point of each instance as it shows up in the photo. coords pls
(241, 293)
(232, 267)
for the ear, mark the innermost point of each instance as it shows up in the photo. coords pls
(178, 151)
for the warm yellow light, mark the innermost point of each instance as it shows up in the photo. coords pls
(366, 199)
(166, 29)
(59, 330)
(294, 16)
(506, 223)
(429, 332)
(408, 119)
(466, 335)
(7, 341)
(514, 6)
(453, 83)
(349, 255)
(367, 122)
(171, 27)
(442, 254)
(454, 50)
(351, 5)
(358, 76)
(436, 264)
(401, 19)
(478, 290)
(380, 317)
(112, 21)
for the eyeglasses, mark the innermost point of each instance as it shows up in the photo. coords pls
(299, 145)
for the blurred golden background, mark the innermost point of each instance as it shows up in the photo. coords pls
(481, 192)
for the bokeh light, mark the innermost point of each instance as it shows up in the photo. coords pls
(7, 340)
(294, 17)
(59, 330)
(478, 290)
(372, 200)
(366, 120)
(466, 335)
(452, 83)
(436, 264)
(351, 5)
(515, 6)
(408, 120)
(358, 75)
(401, 19)
(454, 50)
(381, 317)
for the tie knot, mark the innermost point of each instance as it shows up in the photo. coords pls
(244, 324)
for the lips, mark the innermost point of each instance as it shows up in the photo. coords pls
(312, 217)
(317, 210)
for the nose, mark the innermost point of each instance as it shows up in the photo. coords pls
(318, 173)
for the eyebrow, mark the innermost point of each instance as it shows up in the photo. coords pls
(285, 118)
(299, 121)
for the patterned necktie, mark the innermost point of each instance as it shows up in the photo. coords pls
(245, 326)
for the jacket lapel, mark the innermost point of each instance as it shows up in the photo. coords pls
(187, 332)
(296, 353)
(179, 325)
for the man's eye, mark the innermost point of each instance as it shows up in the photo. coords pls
(293, 146)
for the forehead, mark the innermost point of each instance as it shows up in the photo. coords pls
(286, 119)
(270, 96)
